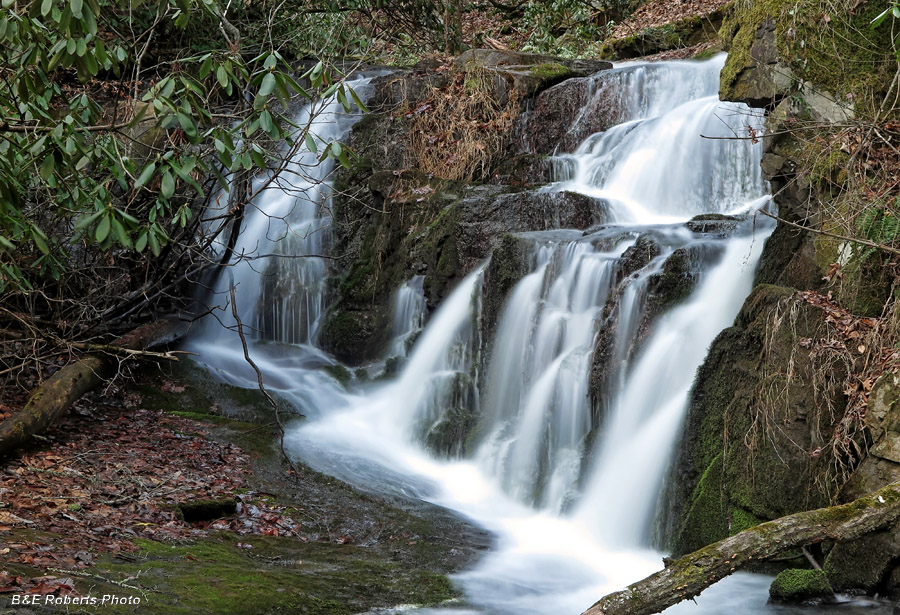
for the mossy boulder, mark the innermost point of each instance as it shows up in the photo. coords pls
(776, 46)
(448, 434)
(756, 434)
(801, 586)
(255, 575)
(864, 564)
(527, 74)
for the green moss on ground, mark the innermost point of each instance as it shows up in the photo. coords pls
(186, 389)
(227, 574)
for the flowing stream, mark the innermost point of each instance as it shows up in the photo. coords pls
(569, 487)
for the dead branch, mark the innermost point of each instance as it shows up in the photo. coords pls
(686, 577)
(53, 396)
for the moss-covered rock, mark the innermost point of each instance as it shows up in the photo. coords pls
(753, 442)
(775, 46)
(865, 563)
(679, 276)
(801, 586)
(861, 565)
(187, 389)
(411, 224)
(527, 73)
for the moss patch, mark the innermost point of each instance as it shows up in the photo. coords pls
(796, 585)
(246, 575)
(743, 458)
(835, 51)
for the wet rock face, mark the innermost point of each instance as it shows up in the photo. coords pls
(756, 428)
(674, 281)
(566, 114)
(511, 260)
(412, 224)
(484, 220)
(391, 222)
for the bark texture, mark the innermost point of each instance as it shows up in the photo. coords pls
(687, 576)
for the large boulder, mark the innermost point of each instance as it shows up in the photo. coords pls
(867, 563)
(526, 74)
(777, 48)
(755, 444)
(419, 225)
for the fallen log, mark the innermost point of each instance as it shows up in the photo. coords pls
(52, 397)
(686, 577)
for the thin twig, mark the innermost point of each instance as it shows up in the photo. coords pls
(865, 242)
(259, 376)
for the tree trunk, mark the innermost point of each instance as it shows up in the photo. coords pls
(687, 576)
(53, 397)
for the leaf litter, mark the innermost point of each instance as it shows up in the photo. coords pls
(115, 472)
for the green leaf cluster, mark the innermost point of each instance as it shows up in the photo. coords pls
(105, 147)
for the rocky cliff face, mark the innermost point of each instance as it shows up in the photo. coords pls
(778, 421)
(394, 219)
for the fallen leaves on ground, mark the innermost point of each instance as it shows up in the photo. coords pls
(660, 12)
(114, 474)
(42, 586)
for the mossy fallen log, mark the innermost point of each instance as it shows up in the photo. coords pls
(686, 577)
(52, 397)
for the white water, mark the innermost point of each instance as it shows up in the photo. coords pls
(409, 315)
(568, 493)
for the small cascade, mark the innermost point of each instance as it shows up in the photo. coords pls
(629, 92)
(538, 408)
(278, 275)
(409, 315)
(276, 270)
(670, 157)
(621, 493)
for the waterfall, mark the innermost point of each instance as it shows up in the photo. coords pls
(409, 315)
(280, 291)
(559, 443)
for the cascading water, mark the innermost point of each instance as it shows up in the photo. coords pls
(568, 490)
(279, 296)
(409, 314)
